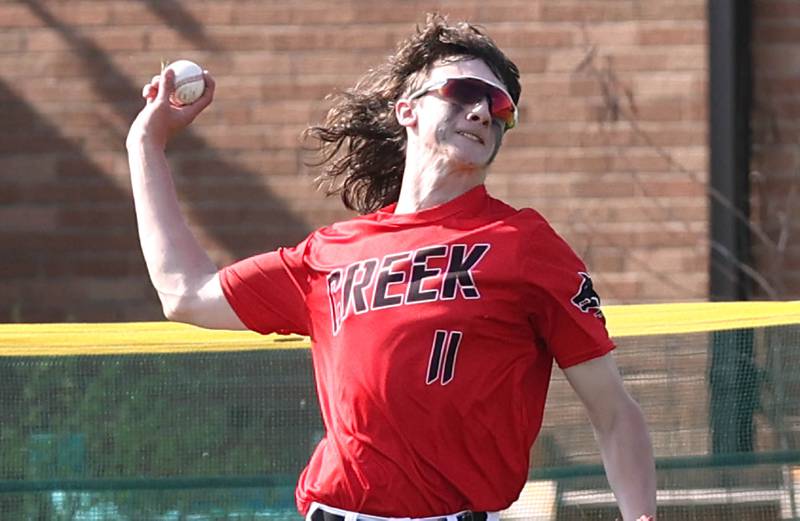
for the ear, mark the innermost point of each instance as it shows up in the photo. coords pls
(404, 112)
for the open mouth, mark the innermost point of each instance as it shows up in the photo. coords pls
(470, 136)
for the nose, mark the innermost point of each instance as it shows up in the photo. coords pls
(480, 113)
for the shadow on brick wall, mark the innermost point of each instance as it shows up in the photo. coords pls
(71, 247)
(173, 15)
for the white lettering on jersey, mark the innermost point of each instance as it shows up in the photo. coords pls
(408, 277)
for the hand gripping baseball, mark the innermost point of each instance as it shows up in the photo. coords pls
(162, 118)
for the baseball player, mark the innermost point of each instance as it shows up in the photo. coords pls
(435, 316)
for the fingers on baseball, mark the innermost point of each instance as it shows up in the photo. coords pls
(166, 85)
(208, 92)
(150, 90)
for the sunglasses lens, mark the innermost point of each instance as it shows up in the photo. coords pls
(467, 91)
(503, 109)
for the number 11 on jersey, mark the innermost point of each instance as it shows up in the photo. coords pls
(442, 364)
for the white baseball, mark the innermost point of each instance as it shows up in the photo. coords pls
(189, 82)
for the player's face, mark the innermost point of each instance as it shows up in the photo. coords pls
(464, 134)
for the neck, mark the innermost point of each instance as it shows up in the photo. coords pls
(433, 184)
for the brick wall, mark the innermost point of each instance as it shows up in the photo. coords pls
(611, 146)
(775, 165)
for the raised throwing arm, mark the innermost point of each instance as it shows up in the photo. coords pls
(181, 271)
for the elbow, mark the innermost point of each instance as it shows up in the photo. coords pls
(188, 304)
(170, 312)
(177, 308)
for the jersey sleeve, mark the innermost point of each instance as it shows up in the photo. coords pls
(564, 308)
(267, 291)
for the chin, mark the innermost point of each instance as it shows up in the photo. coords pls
(471, 162)
(470, 159)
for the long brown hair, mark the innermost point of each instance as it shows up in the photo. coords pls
(361, 145)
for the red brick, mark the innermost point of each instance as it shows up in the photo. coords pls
(669, 260)
(37, 143)
(132, 12)
(69, 241)
(74, 89)
(118, 38)
(617, 288)
(539, 185)
(18, 15)
(606, 259)
(250, 162)
(205, 13)
(249, 38)
(668, 83)
(675, 10)
(774, 61)
(650, 161)
(78, 13)
(362, 37)
(27, 218)
(193, 14)
(554, 161)
(499, 12)
(784, 158)
(621, 134)
(46, 39)
(12, 41)
(690, 134)
(663, 288)
(577, 11)
(634, 59)
(26, 168)
(530, 61)
(260, 13)
(63, 65)
(778, 87)
(258, 64)
(672, 109)
(201, 189)
(220, 138)
(166, 42)
(789, 259)
(604, 189)
(48, 193)
(282, 112)
(87, 217)
(671, 188)
(782, 10)
(307, 63)
(569, 109)
(609, 38)
(241, 162)
(677, 34)
(542, 36)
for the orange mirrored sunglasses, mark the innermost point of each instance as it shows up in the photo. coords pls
(469, 90)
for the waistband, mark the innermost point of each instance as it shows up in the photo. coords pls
(320, 512)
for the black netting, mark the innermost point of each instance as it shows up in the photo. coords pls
(209, 435)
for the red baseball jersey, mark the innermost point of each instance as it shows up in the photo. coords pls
(433, 336)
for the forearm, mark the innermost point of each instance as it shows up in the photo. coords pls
(176, 263)
(628, 459)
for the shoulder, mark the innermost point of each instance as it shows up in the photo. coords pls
(526, 221)
(338, 243)
(539, 242)
(344, 227)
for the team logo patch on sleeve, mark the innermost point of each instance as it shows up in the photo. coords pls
(587, 299)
